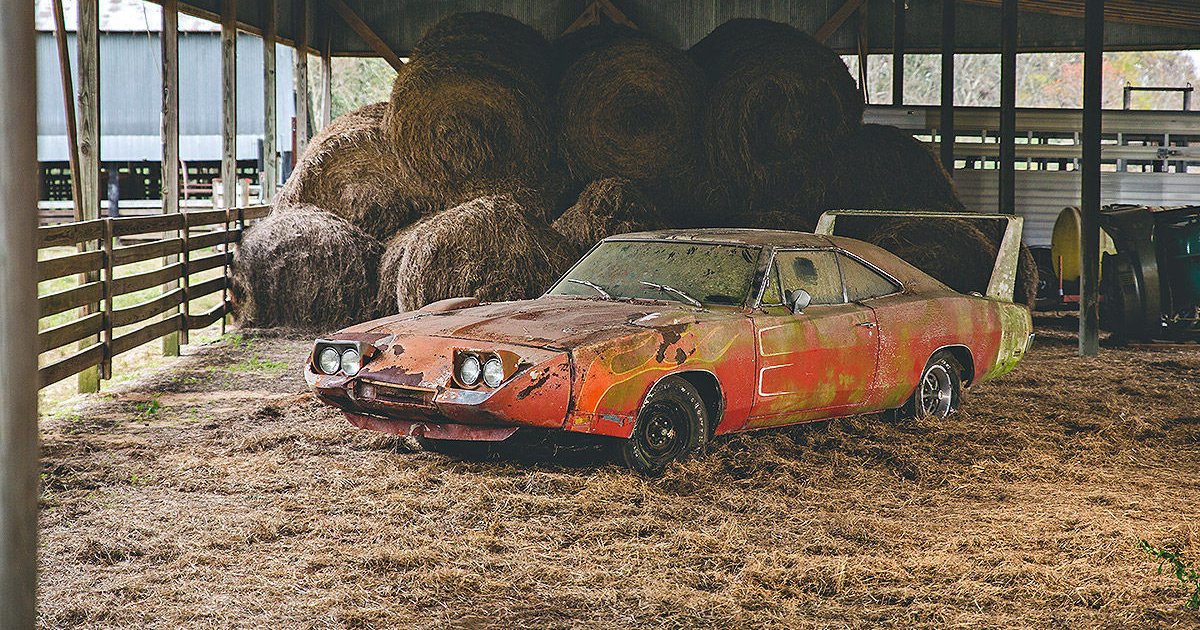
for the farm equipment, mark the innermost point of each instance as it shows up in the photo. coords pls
(1149, 272)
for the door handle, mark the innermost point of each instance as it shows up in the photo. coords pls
(866, 324)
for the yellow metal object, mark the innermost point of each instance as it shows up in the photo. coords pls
(1064, 244)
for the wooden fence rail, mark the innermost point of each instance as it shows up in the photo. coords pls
(176, 238)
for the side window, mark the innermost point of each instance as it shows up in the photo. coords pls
(772, 296)
(813, 271)
(862, 282)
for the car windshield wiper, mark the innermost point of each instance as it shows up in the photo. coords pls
(686, 298)
(599, 289)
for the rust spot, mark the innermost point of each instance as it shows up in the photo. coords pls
(397, 349)
(680, 356)
(529, 389)
(671, 335)
(397, 375)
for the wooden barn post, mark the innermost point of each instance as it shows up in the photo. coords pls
(947, 101)
(270, 121)
(170, 148)
(229, 178)
(18, 319)
(88, 41)
(301, 82)
(1089, 215)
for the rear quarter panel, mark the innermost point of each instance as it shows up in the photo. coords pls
(912, 327)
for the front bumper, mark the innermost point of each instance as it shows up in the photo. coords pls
(412, 394)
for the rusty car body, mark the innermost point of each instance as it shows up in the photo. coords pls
(784, 327)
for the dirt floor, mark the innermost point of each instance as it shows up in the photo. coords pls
(220, 494)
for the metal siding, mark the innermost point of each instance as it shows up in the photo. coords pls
(1041, 195)
(130, 89)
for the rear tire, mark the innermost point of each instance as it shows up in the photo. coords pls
(672, 425)
(939, 392)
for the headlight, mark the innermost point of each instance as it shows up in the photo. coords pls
(350, 362)
(493, 372)
(329, 360)
(468, 370)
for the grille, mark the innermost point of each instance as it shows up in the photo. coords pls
(418, 397)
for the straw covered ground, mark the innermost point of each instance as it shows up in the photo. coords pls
(219, 494)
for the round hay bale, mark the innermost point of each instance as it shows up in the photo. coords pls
(304, 267)
(881, 167)
(630, 106)
(607, 207)
(462, 125)
(486, 248)
(779, 104)
(954, 251)
(349, 170)
(489, 37)
(386, 302)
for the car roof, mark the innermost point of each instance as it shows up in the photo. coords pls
(912, 278)
(731, 236)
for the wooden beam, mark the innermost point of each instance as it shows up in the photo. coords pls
(1008, 108)
(270, 122)
(366, 34)
(18, 320)
(836, 20)
(300, 81)
(1089, 207)
(228, 102)
(229, 178)
(326, 84)
(68, 88)
(898, 41)
(594, 13)
(170, 142)
(88, 43)
(947, 100)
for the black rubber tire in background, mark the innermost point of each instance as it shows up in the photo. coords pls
(941, 362)
(672, 425)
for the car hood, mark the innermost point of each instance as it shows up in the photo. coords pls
(559, 323)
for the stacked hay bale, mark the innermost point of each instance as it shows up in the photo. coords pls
(487, 248)
(304, 267)
(606, 207)
(884, 168)
(349, 171)
(630, 106)
(470, 113)
(780, 103)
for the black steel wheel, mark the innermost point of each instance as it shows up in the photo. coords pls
(939, 391)
(671, 425)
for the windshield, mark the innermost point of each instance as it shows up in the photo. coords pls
(711, 274)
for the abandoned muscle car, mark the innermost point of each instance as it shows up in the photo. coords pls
(665, 339)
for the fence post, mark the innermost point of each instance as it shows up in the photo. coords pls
(88, 44)
(170, 142)
(106, 242)
(185, 257)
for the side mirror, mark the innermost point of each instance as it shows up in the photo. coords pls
(798, 300)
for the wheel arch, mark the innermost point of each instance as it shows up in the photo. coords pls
(709, 388)
(962, 354)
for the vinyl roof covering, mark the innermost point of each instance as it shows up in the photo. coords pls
(1044, 25)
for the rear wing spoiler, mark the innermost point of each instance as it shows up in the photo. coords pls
(1004, 271)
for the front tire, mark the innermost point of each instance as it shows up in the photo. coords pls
(939, 392)
(672, 425)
